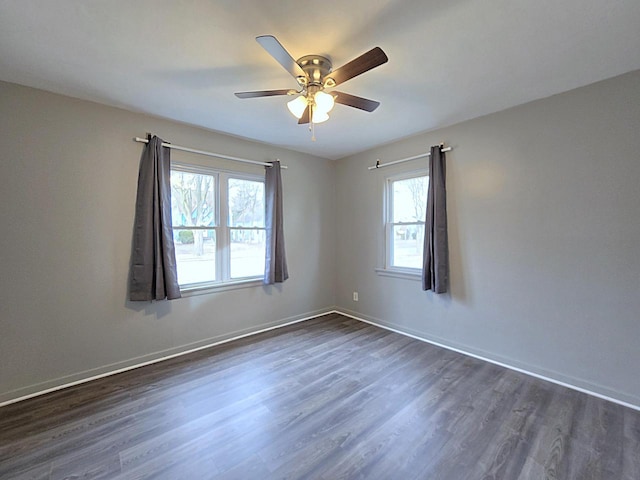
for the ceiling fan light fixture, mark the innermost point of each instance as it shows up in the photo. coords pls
(324, 102)
(314, 73)
(297, 106)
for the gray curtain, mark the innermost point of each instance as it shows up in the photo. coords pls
(275, 270)
(153, 260)
(435, 269)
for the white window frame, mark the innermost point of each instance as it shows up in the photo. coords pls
(389, 269)
(223, 230)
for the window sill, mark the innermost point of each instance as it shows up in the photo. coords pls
(406, 274)
(222, 287)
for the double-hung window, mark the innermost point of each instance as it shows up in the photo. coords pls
(406, 204)
(218, 226)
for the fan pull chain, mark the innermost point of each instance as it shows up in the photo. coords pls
(312, 126)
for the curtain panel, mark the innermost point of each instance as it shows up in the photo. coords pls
(153, 261)
(275, 270)
(435, 269)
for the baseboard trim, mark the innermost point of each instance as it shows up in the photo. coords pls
(380, 323)
(43, 388)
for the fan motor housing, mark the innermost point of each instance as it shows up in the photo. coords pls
(316, 67)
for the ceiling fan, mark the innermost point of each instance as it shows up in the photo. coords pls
(314, 74)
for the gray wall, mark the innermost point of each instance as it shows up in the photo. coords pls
(69, 171)
(544, 201)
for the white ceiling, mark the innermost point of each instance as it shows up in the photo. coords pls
(449, 60)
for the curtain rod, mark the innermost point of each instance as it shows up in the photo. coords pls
(208, 154)
(427, 154)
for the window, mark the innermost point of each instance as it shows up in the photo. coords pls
(218, 226)
(406, 204)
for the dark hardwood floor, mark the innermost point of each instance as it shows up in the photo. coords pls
(328, 398)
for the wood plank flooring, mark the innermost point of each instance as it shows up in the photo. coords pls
(330, 398)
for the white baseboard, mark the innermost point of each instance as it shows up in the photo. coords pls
(119, 367)
(553, 377)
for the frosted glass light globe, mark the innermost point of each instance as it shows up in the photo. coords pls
(324, 102)
(319, 117)
(297, 106)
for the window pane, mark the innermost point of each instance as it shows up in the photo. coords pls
(195, 255)
(407, 246)
(247, 253)
(192, 199)
(410, 199)
(246, 203)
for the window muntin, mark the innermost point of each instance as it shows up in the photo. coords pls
(218, 226)
(405, 217)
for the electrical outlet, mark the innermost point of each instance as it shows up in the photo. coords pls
(355, 296)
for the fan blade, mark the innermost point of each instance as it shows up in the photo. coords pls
(356, 102)
(365, 62)
(278, 52)
(305, 116)
(262, 93)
